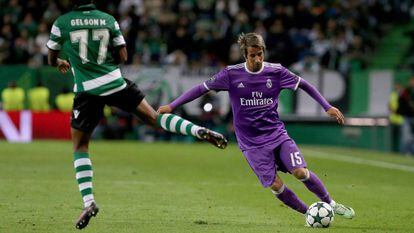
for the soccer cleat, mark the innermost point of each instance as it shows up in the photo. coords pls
(345, 211)
(212, 137)
(86, 215)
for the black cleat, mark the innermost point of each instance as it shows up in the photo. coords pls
(212, 137)
(86, 215)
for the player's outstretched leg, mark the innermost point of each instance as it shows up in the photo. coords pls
(176, 124)
(315, 185)
(287, 196)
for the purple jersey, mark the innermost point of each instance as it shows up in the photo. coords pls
(254, 100)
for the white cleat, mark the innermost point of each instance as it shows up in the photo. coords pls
(345, 211)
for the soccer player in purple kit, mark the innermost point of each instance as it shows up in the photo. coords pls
(254, 88)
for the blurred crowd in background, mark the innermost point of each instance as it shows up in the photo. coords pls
(300, 34)
(203, 32)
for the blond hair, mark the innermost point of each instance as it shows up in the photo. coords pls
(250, 40)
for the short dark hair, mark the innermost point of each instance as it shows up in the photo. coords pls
(76, 3)
(250, 40)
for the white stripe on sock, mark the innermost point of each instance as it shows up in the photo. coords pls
(278, 191)
(85, 185)
(194, 130)
(82, 161)
(88, 199)
(183, 126)
(83, 174)
(164, 121)
(173, 123)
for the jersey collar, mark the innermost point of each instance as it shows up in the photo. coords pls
(85, 7)
(251, 72)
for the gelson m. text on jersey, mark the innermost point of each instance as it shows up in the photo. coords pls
(88, 22)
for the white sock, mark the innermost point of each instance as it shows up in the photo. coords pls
(87, 200)
(278, 191)
(332, 204)
(175, 124)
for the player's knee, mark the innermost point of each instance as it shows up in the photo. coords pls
(80, 141)
(80, 147)
(153, 119)
(300, 173)
(277, 185)
(81, 144)
(149, 118)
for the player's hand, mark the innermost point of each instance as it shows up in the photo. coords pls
(335, 113)
(164, 109)
(63, 66)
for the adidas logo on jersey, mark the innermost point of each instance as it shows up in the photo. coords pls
(241, 85)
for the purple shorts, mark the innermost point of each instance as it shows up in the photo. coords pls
(266, 161)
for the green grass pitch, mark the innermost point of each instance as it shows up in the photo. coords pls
(163, 187)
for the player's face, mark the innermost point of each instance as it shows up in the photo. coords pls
(254, 58)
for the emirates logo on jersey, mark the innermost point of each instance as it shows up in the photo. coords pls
(256, 100)
(269, 83)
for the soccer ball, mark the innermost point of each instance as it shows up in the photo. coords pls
(319, 214)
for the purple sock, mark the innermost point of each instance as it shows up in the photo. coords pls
(290, 199)
(315, 185)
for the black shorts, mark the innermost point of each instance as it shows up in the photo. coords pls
(88, 108)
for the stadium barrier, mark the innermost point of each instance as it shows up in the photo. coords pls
(358, 132)
(25, 126)
(369, 133)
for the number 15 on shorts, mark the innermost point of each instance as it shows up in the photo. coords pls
(295, 158)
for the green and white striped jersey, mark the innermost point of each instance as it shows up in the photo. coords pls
(88, 37)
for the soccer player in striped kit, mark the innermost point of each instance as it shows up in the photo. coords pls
(95, 46)
(254, 88)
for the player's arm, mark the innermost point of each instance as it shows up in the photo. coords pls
(218, 82)
(121, 54)
(54, 46)
(188, 96)
(316, 95)
(54, 60)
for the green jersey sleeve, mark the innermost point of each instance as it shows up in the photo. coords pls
(116, 35)
(55, 40)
